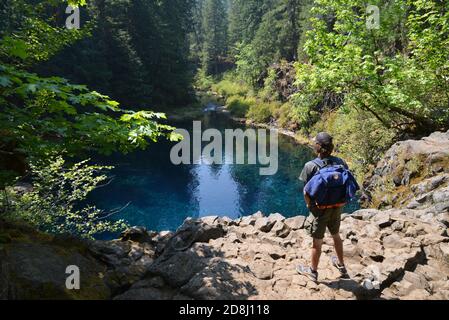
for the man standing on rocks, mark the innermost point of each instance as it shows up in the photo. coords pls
(325, 205)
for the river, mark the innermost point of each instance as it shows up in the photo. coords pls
(160, 195)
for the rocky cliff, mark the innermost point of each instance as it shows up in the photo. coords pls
(395, 253)
(413, 174)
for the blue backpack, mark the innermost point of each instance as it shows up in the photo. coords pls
(332, 185)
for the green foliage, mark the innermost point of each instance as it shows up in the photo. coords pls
(244, 19)
(231, 86)
(56, 115)
(359, 137)
(239, 106)
(250, 65)
(135, 51)
(275, 34)
(262, 112)
(397, 73)
(41, 115)
(214, 25)
(268, 92)
(203, 82)
(284, 117)
(28, 37)
(54, 203)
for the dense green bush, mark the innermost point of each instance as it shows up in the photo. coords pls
(55, 203)
(398, 73)
(203, 82)
(284, 116)
(231, 87)
(268, 92)
(239, 106)
(262, 111)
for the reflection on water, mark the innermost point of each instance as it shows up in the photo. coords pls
(216, 192)
(162, 195)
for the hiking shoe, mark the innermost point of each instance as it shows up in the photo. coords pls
(308, 272)
(342, 269)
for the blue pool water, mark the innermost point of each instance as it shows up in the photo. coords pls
(161, 195)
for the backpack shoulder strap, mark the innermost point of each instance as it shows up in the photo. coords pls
(320, 163)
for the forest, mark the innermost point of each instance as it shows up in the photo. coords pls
(303, 65)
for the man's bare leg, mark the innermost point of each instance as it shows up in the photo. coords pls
(338, 245)
(316, 253)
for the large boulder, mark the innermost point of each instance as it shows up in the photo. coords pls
(177, 268)
(138, 234)
(34, 265)
(295, 223)
(412, 174)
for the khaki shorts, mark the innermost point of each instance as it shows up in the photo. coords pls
(319, 220)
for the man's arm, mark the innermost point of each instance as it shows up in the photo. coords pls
(306, 175)
(308, 200)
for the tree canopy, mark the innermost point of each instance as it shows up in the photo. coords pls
(48, 114)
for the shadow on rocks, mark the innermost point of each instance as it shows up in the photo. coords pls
(187, 267)
(354, 287)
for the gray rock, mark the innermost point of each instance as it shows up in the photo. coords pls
(364, 214)
(144, 294)
(112, 253)
(370, 231)
(296, 223)
(153, 282)
(404, 161)
(383, 219)
(444, 247)
(442, 207)
(38, 271)
(262, 270)
(431, 273)
(393, 241)
(413, 204)
(226, 221)
(163, 235)
(274, 251)
(275, 217)
(264, 224)
(251, 220)
(415, 231)
(398, 225)
(444, 219)
(194, 232)
(441, 195)
(417, 280)
(234, 238)
(280, 229)
(276, 241)
(209, 220)
(220, 280)
(138, 234)
(179, 268)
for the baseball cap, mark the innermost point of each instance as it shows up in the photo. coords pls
(324, 139)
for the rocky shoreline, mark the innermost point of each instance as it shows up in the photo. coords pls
(395, 254)
(398, 252)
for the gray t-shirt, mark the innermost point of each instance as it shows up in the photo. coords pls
(311, 168)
